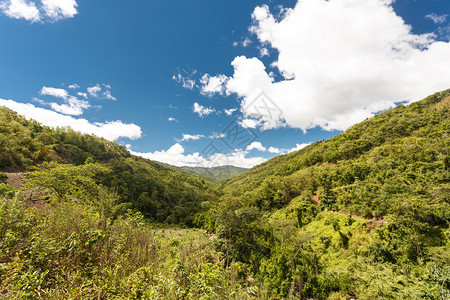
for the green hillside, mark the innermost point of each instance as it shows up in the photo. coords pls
(160, 193)
(364, 215)
(216, 174)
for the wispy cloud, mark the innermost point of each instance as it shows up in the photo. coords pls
(71, 106)
(230, 111)
(102, 91)
(185, 79)
(437, 19)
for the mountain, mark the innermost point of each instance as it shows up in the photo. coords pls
(164, 194)
(216, 174)
(362, 215)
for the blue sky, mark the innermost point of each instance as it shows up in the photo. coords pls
(173, 79)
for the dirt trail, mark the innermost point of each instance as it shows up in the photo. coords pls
(15, 179)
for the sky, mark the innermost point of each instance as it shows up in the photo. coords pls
(208, 83)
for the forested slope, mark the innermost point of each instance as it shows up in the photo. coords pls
(365, 214)
(161, 193)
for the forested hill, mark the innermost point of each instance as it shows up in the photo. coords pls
(363, 215)
(160, 193)
(406, 144)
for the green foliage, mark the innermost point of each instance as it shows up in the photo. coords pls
(361, 215)
(72, 251)
(364, 215)
(163, 193)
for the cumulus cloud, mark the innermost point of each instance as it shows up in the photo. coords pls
(59, 9)
(44, 11)
(298, 147)
(20, 9)
(339, 72)
(256, 145)
(202, 110)
(94, 90)
(55, 92)
(175, 156)
(189, 137)
(437, 19)
(111, 130)
(274, 150)
(211, 85)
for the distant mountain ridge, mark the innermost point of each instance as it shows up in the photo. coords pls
(216, 174)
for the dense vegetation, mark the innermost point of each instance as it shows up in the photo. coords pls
(364, 215)
(160, 193)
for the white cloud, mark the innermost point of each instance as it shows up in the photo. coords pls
(202, 110)
(437, 19)
(97, 91)
(337, 72)
(211, 85)
(188, 137)
(108, 130)
(264, 52)
(48, 10)
(172, 119)
(81, 94)
(175, 156)
(256, 145)
(298, 147)
(74, 86)
(55, 92)
(249, 123)
(246, 42)
(94, 90)
(20, 9)
(74, 106)
(107, 95)
(59, 9)
(230, 111)
(274, 150)
(217, 135)
(186, 81)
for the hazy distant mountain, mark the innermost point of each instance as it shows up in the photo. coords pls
(216, 174)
